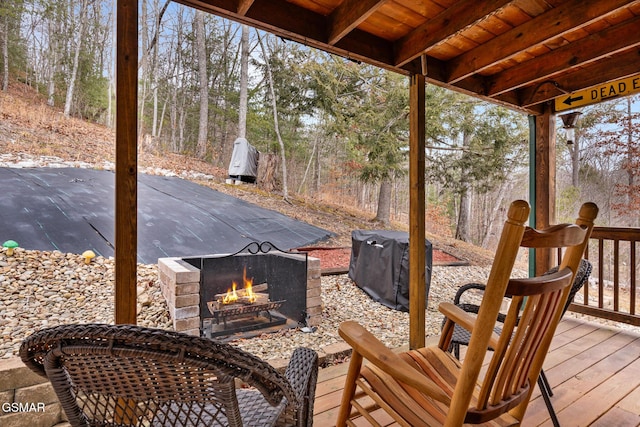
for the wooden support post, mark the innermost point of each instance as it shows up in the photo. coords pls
(417, 286)
(545, 182)
(126, 209)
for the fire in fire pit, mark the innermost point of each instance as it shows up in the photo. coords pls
(242, 310)
(247, 296)
(237, 304)
(236, 307)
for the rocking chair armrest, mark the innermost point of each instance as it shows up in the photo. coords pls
(456, 315)
(367, 345)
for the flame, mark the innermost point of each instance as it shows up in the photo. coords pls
(248, 287)
(232, 295)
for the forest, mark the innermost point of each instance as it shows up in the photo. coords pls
(334, 130)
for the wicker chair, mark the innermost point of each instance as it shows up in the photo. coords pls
(125, 375)
(461, 336)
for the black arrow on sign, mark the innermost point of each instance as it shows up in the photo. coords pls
(571, 100)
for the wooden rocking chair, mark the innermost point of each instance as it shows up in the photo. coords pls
(429, 386)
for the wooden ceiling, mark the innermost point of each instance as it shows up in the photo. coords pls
(521, 53)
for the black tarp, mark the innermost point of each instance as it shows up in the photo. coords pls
(380, 266)
(72, 209)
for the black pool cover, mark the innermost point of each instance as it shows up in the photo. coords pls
(72, 210)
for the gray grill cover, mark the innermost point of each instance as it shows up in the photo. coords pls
(244, 159)
(380, 266)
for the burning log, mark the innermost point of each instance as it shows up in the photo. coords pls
(240, 297)
(248, 295)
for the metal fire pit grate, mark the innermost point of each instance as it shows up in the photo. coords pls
(241, 318)
(241, 310)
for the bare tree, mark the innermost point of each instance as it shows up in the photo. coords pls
(76, 58)
(272, 92)
(462, 230)
(244, 82)
(201, 47)
(4, 17)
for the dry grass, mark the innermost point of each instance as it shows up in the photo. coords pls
(29, 126)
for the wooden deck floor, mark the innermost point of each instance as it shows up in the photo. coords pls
(594, 371)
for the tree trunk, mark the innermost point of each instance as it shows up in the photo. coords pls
(154, 124)
(203, 126)
(384, 202)
(494, 214)
(164, 109)
(55, 29)
(316, 175)
(5, 53)
(267, 169)
(143, 66)
(306, 171)
(76, 59)
(173, 118)
(244, 83)
(574, 149)
(462, 229)
(285, 190)
(630, 170)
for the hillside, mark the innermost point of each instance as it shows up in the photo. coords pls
(31, 130)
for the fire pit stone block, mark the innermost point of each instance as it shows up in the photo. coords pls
(314, 291)
(180, 284)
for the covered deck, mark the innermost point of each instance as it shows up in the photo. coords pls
(594, 371)
(528, 55)
(532, 56)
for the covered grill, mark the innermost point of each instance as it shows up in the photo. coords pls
(244, 161)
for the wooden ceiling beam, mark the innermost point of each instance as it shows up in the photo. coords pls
(243, 6)
(606, 70)
(509, 99)
(446, 24)
(554, 23)
(362, 46)
(287, 20)
(610, 41)
(276, 16)
(346, 17)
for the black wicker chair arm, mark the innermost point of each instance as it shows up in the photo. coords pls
(465, 288)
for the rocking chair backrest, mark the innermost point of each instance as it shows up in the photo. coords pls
(535, 309)
(529, 319)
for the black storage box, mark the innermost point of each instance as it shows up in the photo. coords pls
(380, 266)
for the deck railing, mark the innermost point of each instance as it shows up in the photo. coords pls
(611, 293)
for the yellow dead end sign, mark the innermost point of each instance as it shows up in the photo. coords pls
(600, 93)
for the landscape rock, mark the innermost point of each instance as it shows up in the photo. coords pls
(41, 289)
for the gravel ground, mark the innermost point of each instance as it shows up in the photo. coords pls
(343, 300)
(41, 289)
